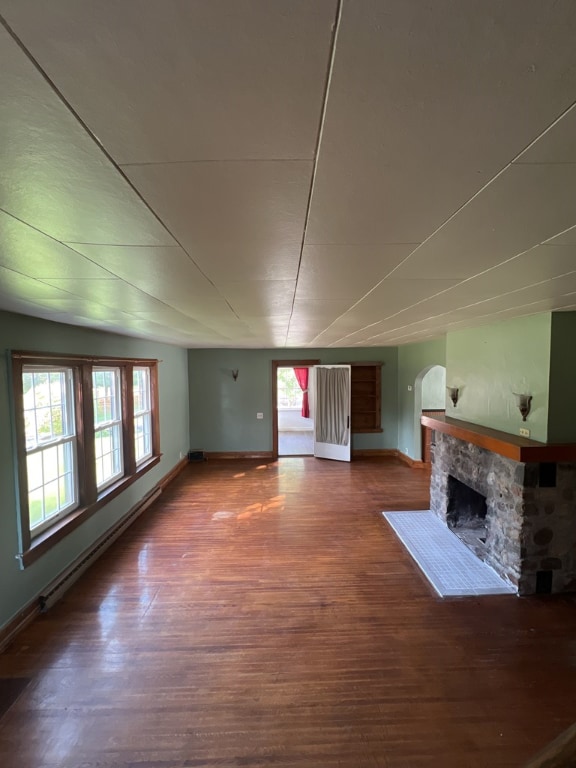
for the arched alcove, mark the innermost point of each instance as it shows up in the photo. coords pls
(429, 394)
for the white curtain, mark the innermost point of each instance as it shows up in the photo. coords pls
(332, 405)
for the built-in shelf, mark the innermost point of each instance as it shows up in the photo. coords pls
(366, 396)
(511, 446)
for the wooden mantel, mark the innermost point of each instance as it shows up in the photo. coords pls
(511, 446)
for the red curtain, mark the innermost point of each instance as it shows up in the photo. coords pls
(302, 377)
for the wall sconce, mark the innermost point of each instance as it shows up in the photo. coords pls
(235, 374)
(454, 393)
(523, 402)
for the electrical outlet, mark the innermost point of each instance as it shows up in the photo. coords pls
(259, 415)
(409, 387)
(524, 432)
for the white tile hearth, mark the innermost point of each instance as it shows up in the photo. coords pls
(448, 564)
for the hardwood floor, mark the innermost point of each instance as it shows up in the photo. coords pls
(264, 614)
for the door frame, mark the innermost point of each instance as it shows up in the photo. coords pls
(283, 364)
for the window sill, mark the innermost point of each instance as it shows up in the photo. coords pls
(47, 539)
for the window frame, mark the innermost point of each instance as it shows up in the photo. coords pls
(146, 413)
(115, 421)
(68, 439)
(90, 498)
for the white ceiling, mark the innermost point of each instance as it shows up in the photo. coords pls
(248, 173)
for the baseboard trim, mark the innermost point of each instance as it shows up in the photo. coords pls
(412, 463)
(387, 453)
(17, 624)
(68, 575)
(173, 474)
(239, 455)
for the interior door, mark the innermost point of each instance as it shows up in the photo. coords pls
(332, 418)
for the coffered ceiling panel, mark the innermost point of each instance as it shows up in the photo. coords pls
(219, 79)
(247, 173)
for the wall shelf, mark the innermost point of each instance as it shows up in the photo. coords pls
(366, 382)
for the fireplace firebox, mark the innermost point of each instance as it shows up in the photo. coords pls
(466, 511)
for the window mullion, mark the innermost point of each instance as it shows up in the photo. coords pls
(85, 429)
(128, 419)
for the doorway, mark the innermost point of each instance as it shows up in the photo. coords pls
(293, 407)
(295, 411)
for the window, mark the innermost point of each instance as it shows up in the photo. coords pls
(142, 414)
(86, 428)
(107, 425)
(50, 444)
(289, 391)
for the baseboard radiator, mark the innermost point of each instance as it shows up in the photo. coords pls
(64, 580)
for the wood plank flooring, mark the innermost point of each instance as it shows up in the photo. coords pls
(264, 614)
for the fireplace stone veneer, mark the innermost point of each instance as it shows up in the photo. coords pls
(531, 512)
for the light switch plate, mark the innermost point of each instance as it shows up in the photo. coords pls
(259, 415)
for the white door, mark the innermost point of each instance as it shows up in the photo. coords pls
(332, 417)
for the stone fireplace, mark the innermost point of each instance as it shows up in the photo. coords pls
(519, 516)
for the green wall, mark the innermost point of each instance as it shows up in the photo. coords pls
(18, 587)
(414, 360)
(223, 411)
(434, 389)
(561, 416)
(491, 362)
